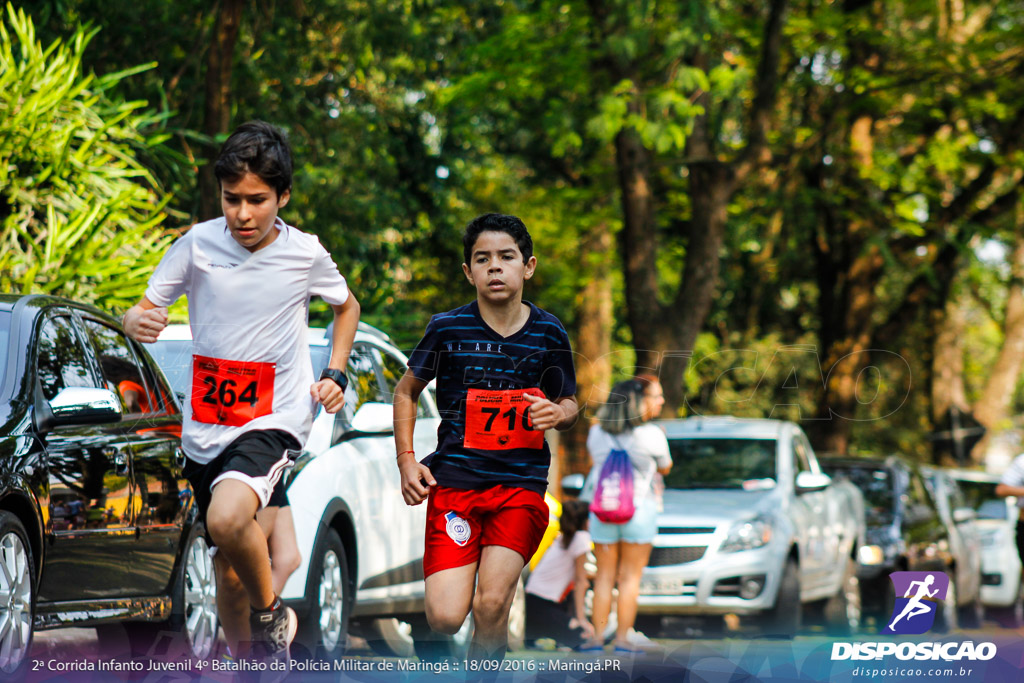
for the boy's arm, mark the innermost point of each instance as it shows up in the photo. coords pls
(144, 321)
(416, 478)
(560, 414)
(346, 320)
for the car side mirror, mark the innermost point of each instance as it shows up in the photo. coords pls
(374, 418)
(85, 405)
(572, 484)
(961, 515)
(812, 481)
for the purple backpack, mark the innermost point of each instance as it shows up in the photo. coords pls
(613, 496)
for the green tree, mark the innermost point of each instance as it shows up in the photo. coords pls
(80, 214)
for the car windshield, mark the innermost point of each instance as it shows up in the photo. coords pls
(722, 464)
(876, 485)
(981, 495)
(174, 358)
(5, 335)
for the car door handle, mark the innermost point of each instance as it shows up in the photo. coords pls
(179, 456)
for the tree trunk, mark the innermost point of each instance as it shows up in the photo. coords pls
(948, 364)
(993, 408)
(593, 344)
(217, 110)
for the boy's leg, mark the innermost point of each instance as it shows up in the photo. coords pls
(231, 523)
(499, 573)
(449, 595)
(232, 607)
(284, 548)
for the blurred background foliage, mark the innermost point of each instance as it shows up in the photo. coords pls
(791, 208)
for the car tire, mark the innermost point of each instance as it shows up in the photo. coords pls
(191, 630)
(1011, 616)
(648, 624)
(843, 610)
(17, 580)
(323, 631)
(783, 620)
(389, 637)
(947, 621)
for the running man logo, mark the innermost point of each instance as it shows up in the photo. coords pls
(914, 612)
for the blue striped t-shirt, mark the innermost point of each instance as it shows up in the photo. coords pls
(484, 439)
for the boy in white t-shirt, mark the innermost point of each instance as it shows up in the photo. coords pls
(249, 278)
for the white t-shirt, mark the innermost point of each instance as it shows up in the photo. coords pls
(557, 568)
(648, 451)
(250, 307)
(1014, 476)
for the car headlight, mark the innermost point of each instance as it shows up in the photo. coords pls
(747, 535)
(869, 555)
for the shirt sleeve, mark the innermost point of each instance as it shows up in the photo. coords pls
(559, 378)
(656, 443)
(324, 279)
(424, 359)
(1014, 475)
(580, 544)
(173, 276)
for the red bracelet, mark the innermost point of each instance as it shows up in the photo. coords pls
(404, 452)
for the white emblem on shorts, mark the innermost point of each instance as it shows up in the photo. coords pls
(457, 528)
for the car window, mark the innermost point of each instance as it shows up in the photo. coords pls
(362, 380)
(800, 462)
(120, 370)
(392, 369)
(164, 403)
(61, 360)
(916, 492)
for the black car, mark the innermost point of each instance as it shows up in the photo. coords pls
(905, 531)
(96, 521)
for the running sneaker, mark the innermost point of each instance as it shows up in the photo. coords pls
(273, 631)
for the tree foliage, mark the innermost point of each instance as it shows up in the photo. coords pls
(80, 215)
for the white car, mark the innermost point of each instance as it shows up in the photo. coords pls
(1001, 586)
(361, 545)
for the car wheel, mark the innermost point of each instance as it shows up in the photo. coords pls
(324, 629)
(192, 627)
(843, 610)
(648, 624)
(389, 637)
(783, 620)
(946, 620)
(17, 596)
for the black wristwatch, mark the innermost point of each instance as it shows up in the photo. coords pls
(337, 375)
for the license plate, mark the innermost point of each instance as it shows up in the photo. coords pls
(661, 586)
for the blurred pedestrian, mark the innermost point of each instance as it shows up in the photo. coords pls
(1012, 484)
(622, 550)
(562, 570)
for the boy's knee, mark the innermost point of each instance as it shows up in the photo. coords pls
(445, 619)
(490, 606)
(224, 525)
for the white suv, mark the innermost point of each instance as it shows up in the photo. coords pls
(361, 545)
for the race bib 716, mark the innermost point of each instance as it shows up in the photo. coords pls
(231, 392)
(499, 420)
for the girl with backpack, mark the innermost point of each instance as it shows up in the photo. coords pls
(627, 453)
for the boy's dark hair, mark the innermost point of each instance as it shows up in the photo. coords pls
(497, 222)
(256, 147)
(574, 518)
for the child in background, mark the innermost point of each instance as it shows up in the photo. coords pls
(549, 612)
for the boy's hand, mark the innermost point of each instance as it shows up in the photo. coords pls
(416, 479)
(327, 392)
(144, 325)
(544, 414)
